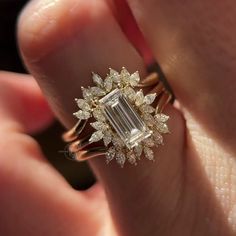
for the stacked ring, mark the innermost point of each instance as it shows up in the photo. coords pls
(126, 122)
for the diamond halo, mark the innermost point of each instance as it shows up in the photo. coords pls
(124, 118)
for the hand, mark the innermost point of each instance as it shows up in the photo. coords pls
(190, 189)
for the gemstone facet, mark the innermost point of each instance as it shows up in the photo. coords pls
(124, 119)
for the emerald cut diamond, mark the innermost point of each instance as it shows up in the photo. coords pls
(124, 119)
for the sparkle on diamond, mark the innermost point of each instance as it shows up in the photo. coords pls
(124, 119)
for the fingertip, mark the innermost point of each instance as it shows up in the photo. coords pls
(46, 24)
(35, 27)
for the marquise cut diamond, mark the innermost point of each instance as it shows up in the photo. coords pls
(124, 119)
(126, 122)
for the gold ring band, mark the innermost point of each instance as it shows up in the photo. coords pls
(85, 155)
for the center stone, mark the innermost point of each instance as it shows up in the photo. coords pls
(124, 118)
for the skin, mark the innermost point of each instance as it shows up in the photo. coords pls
(191, 187)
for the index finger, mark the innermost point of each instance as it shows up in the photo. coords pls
(95, 43)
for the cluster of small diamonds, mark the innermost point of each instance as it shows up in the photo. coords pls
(116, 148)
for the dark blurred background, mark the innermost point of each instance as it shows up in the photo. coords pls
(77, 174)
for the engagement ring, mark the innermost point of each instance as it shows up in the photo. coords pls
(116, 119)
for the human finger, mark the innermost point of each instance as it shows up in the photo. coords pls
(35, 199)
(63, 65)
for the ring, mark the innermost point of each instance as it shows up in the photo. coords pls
(117, 120)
